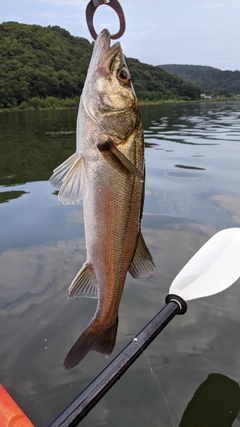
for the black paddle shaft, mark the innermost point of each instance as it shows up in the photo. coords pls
(80, 407)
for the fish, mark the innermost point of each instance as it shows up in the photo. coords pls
(107, 172)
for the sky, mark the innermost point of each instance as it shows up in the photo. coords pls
(198, 32)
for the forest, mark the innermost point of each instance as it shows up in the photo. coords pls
(209, 79)
(46, 67)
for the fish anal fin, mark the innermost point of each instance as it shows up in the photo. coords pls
(74, 187)
(84, 284)
(142, 264)
(118, 160)
(61, 171)
(97, 336)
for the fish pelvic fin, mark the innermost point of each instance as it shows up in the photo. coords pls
(84, 284)
(117, 160)
(70, 178)
(142, 264)
(96, 336)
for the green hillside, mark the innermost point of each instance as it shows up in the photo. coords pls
(207, 78)
(40, 66)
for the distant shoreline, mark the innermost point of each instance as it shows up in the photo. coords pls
(141, 103)
(179, 101)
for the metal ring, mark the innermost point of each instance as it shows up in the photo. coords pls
(115, 5)
(178, 300)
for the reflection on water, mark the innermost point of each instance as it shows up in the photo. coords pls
(6, 196)
(215, 403)
(189, 167)
(192, 191)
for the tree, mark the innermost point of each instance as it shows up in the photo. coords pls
(38, 62)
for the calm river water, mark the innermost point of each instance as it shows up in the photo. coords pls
(192, 191)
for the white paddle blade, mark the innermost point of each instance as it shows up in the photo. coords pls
(215, 267)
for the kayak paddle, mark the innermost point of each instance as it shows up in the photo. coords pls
(215, 267)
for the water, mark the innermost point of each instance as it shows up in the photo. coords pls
(192, 191)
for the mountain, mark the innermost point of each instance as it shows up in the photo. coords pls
(45, 63)
(207, 78)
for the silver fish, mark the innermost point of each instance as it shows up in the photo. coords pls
(107, 172)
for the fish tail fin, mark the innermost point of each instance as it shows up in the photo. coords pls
(96, 337)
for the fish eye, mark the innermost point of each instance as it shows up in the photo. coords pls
(124, 75)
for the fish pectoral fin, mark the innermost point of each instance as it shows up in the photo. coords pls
(117, 160)
(61, 171)
(74, 186)
(142, 264)
(84, 284)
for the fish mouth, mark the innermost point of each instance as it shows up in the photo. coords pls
(103, 41)
(103, 53)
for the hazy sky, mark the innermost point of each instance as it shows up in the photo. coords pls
(205, 32)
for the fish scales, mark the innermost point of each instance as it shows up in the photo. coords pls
(107, 172)
(111, 213)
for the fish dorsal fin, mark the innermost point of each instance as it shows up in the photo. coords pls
(74, 187)
(61, 171)
(84, 284)
(142, 264)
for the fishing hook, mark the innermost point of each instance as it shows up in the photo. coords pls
(115, 5)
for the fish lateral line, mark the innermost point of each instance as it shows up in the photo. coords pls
(116, 159)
